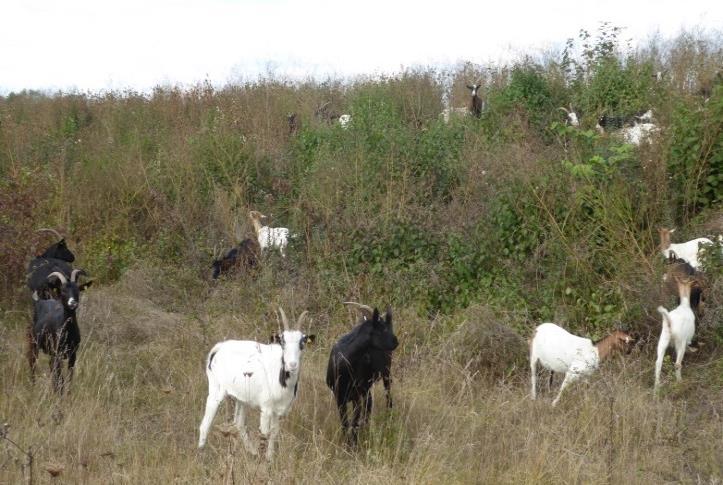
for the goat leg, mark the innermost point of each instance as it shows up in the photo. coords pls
(32, 353)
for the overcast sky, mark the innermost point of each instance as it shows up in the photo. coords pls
(105, 44)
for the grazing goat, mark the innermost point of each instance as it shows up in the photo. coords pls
(56, 258)
(264, 377)
(677, 269)
(571, 117)
(344, 121)
(245, 255)
(55, 326)
(560, 351)
(678, 328)
(688, 251)
(269, 237)
(293, 121)
(357, 360)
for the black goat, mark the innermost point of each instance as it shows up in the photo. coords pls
(56, 258)
(245, 255)
(357, 360)
(54, 329)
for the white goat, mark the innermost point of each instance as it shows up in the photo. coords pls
(689, 251)
(277, 237)
(679, 327)
(572, 117)
(638, 132)
(344, 120)
(560, 351)
(264, 377)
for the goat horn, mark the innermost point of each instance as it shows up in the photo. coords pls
(77, 272)
(60, 276)
(367, 311)
(47, 229)
(301, 319)
(283, 319)
(564, 109)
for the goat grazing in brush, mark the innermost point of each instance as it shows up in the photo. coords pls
(292, 119)
(344, 121)
(689, 251)
(264, 377)
(678, 329)
(269, 237)
(357, 360)
(244, 256)
(679, 269)
(54, 328)
(560, 351)
(571, 117)
(56, 258)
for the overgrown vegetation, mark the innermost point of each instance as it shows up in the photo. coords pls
(474, 231)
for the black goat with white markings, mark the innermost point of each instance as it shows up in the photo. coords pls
(54, 328)
(56, 258)
(357, 360)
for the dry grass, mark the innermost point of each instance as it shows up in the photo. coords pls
(137, 399)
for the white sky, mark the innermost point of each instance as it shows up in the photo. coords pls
(104, 44)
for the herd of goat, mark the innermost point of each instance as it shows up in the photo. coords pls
(633, 129)
(266, 376)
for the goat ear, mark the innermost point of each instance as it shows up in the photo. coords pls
(85, 285)
(310, 339)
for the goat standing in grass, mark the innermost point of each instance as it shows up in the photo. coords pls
(560, 351)
(678, 328)
(269, 237)
(357, 360)
(245, 255)
(55, 328)
(264, 377)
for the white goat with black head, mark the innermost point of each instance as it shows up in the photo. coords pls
(560, 351)
(269, 237)
(264, 377)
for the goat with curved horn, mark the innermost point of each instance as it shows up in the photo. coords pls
(365, 310)
(284, 320)
(60, 276)
(53, 231)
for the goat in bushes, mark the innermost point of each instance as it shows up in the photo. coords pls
(560, 351)
(54, 328)
(689, 251)
(269, 237)
(261, 376)
(56, 258)
(678, 329)
(357, 360)
(244, 256)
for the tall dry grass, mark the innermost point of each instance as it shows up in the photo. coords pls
(139, 390)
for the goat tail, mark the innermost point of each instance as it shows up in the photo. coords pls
(211, 355)
(666, 316)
